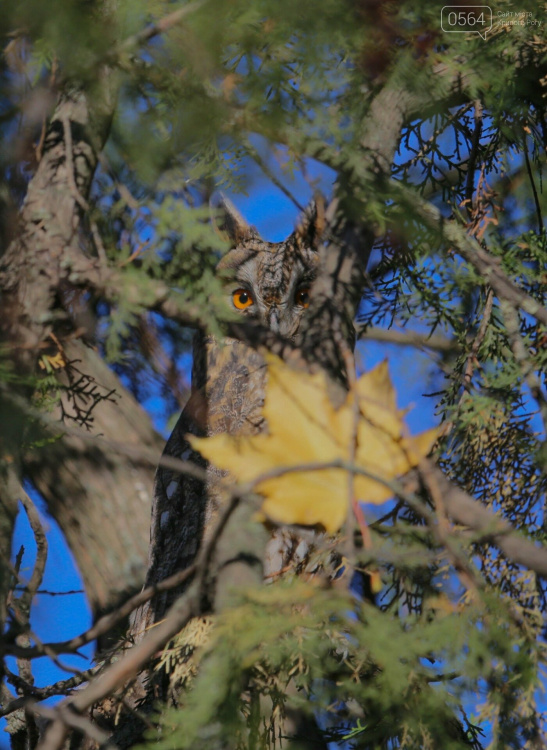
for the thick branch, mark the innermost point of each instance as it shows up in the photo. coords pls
(463, 509)
(469, 248)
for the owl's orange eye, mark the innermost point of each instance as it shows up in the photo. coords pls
(302, 296)
(242, 299)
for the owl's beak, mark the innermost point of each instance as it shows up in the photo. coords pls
(273, 319)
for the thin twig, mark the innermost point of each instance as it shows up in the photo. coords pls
(134, 659)
(137, 453)
(479, 338)
(471, 250)
(522, 356)
(20, 607)
(46, 592)
(157, 28)
(31, 692)
(107, 622)
(473, 155)
(253, 152)
(513, 544)
(441, 532)
(349, 362)
(541, 227)
(41, 550)
(22, 651)
(64, 713)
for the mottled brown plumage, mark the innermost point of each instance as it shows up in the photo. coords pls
(264, 281)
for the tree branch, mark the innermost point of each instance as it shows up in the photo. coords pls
(463, 509)
(33, 585)
(409, 338)
(487, 265)
(105, 623)
(31, 692)
(134, 659)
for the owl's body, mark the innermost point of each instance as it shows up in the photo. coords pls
(267, 282)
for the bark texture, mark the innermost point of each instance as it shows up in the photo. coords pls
(102, 503)
(101, 500)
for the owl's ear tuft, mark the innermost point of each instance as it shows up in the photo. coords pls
(229, 221)
(312, 223)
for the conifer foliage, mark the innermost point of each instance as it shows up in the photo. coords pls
(420, 623)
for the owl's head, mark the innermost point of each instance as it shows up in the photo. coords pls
(271, 281)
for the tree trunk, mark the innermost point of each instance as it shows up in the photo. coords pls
(102, 503)
(101, 500)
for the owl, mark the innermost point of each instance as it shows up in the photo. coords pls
(266, 282)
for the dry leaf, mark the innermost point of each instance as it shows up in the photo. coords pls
(304, 428)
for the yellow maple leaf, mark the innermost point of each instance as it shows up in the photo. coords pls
(304, 428)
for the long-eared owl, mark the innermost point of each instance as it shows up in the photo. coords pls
(270, 283)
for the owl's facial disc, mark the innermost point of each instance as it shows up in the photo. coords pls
(271, 282)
